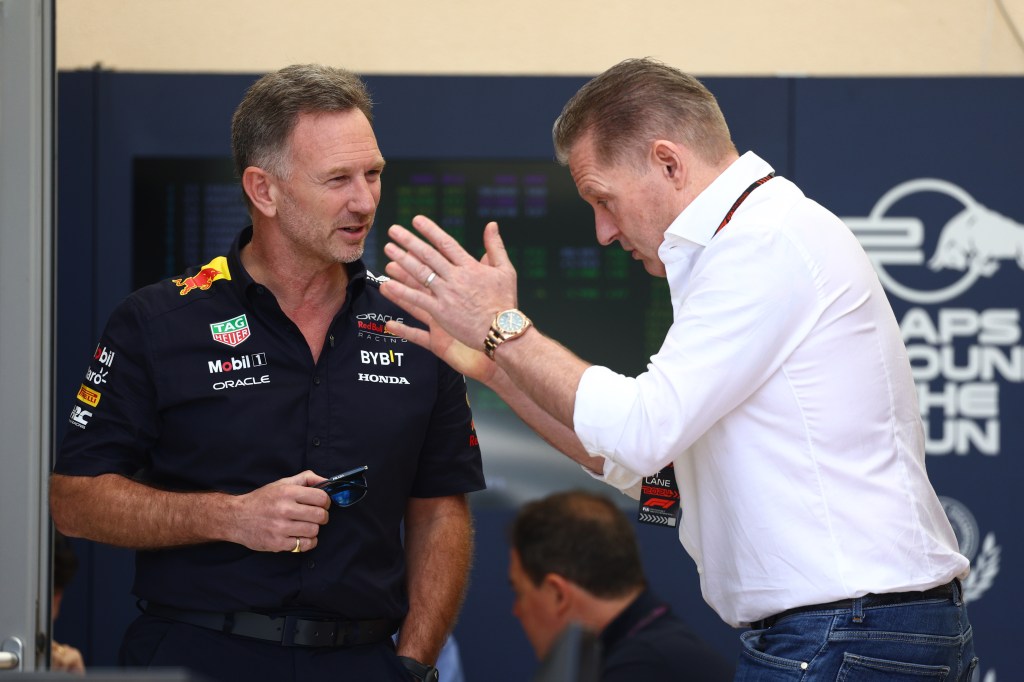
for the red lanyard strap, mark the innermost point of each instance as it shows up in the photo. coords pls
(754, 185)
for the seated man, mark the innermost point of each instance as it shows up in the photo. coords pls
(574, 558)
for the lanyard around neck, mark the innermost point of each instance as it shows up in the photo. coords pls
(746, 193)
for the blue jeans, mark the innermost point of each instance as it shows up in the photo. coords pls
(920, 641)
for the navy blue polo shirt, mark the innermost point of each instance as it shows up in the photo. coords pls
(202, 383)
(649, 642)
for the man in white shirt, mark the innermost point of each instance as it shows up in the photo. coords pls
(781, 399)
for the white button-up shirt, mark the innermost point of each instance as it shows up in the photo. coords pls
(783, 394)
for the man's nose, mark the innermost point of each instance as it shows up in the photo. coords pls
(605, 230)
(364, 198)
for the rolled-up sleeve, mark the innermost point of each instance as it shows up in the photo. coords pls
(601, 398)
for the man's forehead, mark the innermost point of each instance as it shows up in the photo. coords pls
(350, 127)
(341, 139)
(582, 151)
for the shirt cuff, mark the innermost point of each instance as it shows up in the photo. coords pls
(603, 398)
(618, 476)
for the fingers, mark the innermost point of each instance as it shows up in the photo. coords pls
(419, 258)
(420, 337)
(425, 262)
(300, 544)
(308, 513)
(494, 246)
(303, 492)
(397, 272)
(306, 478)
(446, 245)
(405, 292)
(274, 516)
(301, 521)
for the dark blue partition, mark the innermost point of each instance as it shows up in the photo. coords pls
(927, 172)
(848, 142)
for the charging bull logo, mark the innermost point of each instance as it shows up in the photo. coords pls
(976, 239)
(204, 279)
(973, 241)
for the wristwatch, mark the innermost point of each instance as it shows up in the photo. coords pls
(507, 325)
(420, 671)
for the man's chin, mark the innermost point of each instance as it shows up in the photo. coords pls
(350, 255)
(655, 268)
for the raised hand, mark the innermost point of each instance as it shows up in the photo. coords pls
(447, 285)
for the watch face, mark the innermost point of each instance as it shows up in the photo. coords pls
(511, 322)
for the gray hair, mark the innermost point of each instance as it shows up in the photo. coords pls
(267, 115)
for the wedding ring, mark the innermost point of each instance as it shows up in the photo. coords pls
(297, 546)
(430, 278)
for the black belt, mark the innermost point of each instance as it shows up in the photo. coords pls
(284, 630)
(940, 592)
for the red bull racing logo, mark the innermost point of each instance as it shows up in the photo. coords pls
(204, 279)
(373, 326)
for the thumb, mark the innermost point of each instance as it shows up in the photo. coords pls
(496, 254)
(306, 478)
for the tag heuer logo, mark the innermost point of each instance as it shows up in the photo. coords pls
(231, 332)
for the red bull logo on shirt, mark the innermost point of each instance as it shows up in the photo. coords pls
(231, 332)
(204, 279)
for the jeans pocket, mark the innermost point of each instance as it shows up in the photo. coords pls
(753, 658)
(864, 669)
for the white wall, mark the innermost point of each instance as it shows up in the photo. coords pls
(545, 37)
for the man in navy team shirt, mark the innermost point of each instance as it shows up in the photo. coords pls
(218, 400)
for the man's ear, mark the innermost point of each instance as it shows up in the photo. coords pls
(670, 158)
(259, 187)
(561, 593)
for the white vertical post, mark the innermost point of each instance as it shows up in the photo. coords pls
(26, 327)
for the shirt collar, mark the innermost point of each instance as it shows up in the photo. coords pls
(239, 276)
(242, 280)
(698, 221)
(644, 610)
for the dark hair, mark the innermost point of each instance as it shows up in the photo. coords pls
(65, 561)
(268, 113)
(582, 537)
(636, 102)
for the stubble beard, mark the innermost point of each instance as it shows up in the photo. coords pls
(304, 232)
